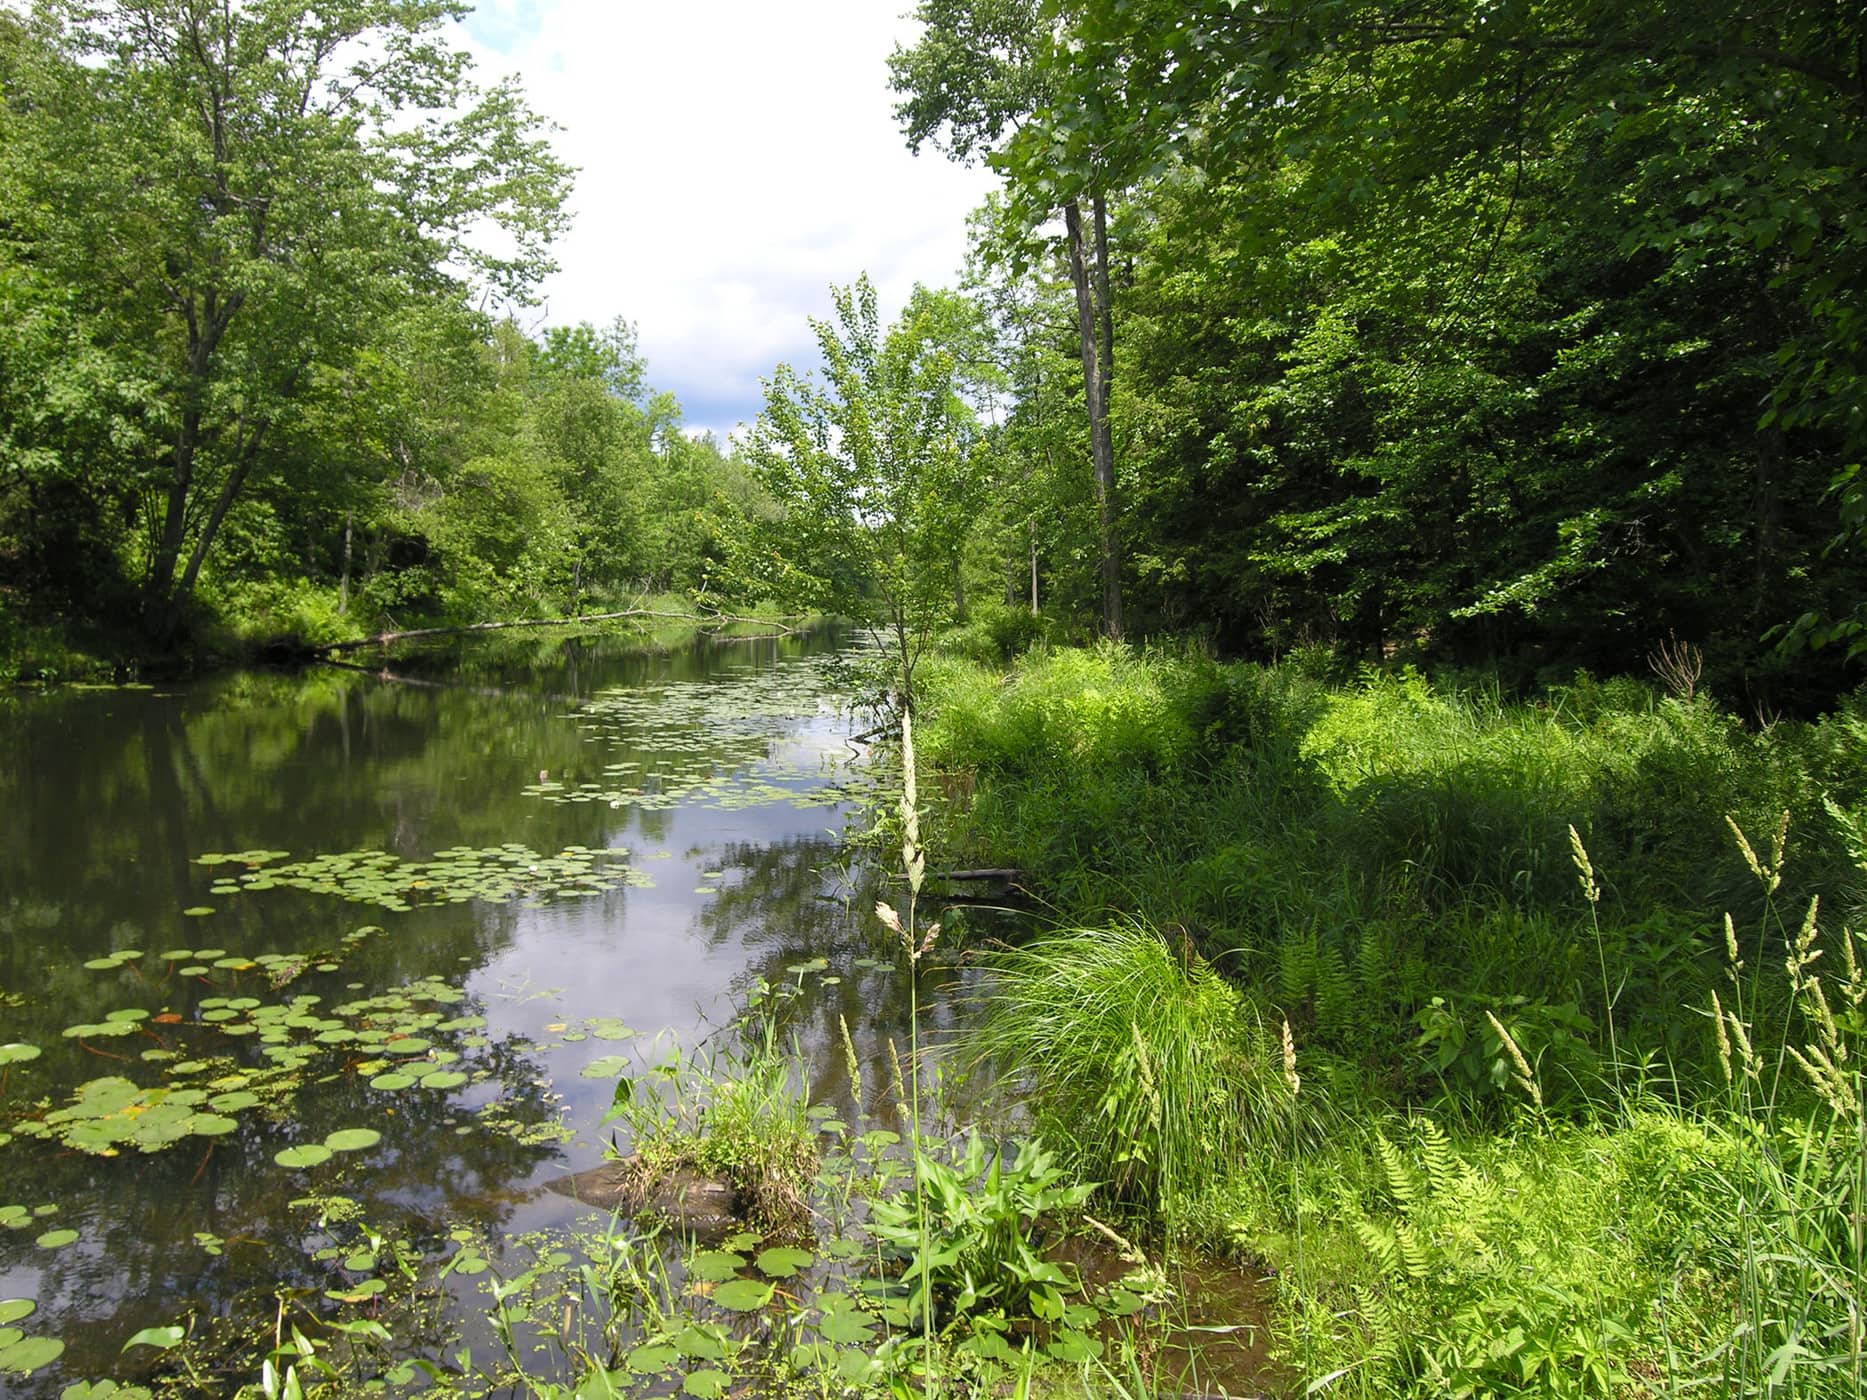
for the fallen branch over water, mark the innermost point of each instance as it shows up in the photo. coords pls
(717, 619)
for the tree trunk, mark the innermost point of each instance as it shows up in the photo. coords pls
(343, 579)
(1095, 392)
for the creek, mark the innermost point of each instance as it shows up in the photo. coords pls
(381, 941)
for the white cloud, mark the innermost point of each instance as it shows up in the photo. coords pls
(736, 158)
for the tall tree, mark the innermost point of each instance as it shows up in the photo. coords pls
(981, 71)
(233, 195)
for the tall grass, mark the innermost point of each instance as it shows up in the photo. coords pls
(1564, 1128)
(1141, 1066)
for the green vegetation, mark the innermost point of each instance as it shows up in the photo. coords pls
(1563, 1109)
(1512, 1016)
(260, 385)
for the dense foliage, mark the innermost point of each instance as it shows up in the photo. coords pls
(1525, 333)
(257, 363)
(1570, 995)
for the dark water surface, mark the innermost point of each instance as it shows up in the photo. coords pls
(712, 780)
(447, 901)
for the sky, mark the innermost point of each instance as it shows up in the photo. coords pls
(736, 158)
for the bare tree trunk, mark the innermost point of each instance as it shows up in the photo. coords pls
(1033, 571)
(343, 579)
(1095, 392)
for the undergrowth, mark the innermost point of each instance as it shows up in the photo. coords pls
(1578, 1047)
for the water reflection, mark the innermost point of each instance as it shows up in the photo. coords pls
(112, 795)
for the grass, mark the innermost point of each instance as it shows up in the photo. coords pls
(733, 1116)
(1530, 1153)
(1141, 1065)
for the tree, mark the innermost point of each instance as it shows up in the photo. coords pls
(986, 68)
(1716, 147)
(873, 469)
(231, 197)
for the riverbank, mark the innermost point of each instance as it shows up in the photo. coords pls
(300, 625)
(1428, 1002)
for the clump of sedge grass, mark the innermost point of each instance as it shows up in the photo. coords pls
(1142, 1066)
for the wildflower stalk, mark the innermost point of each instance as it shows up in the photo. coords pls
(1295, 1083)
(917, 945)
(1585, 873)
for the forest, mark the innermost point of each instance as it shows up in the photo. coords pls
(1524, 337)
(1369, 552)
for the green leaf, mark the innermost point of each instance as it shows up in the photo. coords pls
(30, 1353)
(311, 1154)
(707, 1383)
(352, 1139)
(714, 1265)
(743, 1294)
(161, 1338)
(782, 1261)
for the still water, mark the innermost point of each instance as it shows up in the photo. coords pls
(475, 871)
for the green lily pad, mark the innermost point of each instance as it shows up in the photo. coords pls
(649, 1360)
(198, 911)
(352, 1139)
(444, 1079)
(13, 1309)
(30, 1353)
(714, 1265)
(17, 1053)
(310, 1154)
(846, 1328)
(392, 1081)
(782, 1261)
(743, 1294)
(708, 1383)
(56, 1239)
(210, 1125)
(606, 1068)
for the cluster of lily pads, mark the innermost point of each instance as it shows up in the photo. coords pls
(19, 1352)
(493, 873)
(716, 742)
(410, 1038)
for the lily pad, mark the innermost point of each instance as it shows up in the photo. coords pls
(57, 1239)
(309, 1154)
(352, 1139)
(17, 1053)
(13, 1309)
(714, 1265)
(743, 1294)
(782, 1261)
(650, 1360)
(30, 1353)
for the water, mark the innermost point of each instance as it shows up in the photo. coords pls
(727, 828)
(577, 855)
